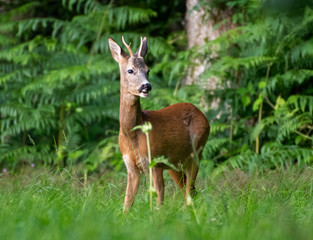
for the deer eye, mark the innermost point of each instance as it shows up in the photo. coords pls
(130, 71)
(148, 72)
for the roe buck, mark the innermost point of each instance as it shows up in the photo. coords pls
(178, 131)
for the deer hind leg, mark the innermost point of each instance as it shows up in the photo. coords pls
(178, 177)
(158, 182)
(191, 174)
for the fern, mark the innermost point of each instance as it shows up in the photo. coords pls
(61, 77)
(59, 84)
(265, 65)
(120, 16)
(302, 102)
(272, 155)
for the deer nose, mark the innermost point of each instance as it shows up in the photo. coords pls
(145, 88)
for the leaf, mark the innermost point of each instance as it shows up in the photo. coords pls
(246, 100)
(298, 139)
(257, 102)
(279, 102)
(262, 84)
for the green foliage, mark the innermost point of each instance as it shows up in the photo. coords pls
(264, 71)
(59, 88)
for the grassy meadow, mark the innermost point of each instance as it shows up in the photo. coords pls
(43, 204)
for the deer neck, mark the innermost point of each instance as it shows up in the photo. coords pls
(130, 111)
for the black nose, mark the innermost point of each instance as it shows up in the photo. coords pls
(145, 88)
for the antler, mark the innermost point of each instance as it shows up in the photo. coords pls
(139, 50)
(128, 47)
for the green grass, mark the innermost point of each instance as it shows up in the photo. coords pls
(42, 204)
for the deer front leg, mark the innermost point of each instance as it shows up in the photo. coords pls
(158, 181)
(133, 179)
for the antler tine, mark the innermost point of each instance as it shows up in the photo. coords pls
(140, 47)
(128, 47)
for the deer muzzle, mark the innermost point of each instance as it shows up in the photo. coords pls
(145, 89)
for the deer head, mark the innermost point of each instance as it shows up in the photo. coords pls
(133, 70)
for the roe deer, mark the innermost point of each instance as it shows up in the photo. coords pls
(178, 131)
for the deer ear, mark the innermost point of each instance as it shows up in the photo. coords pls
(116, 51)
(143, 48)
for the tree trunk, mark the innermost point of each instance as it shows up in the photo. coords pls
(200, 21)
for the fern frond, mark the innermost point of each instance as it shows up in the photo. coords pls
(60, 78)
(302, 102)
(87, 94)
(214, 145)
(219, 127)
(40, 152)
(89, 5)
(273, 154)
(122, 15)
(291, 124)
